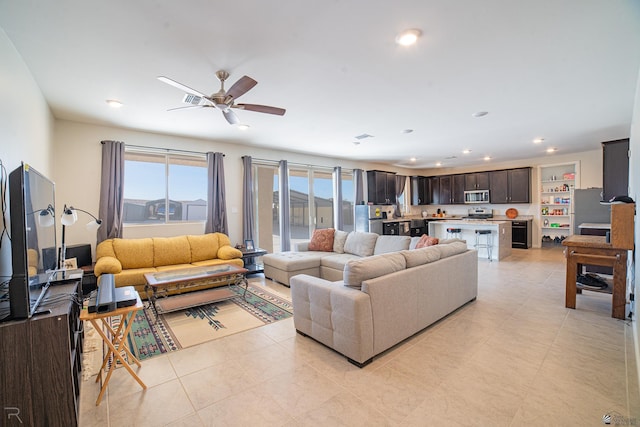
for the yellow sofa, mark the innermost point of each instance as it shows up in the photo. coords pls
(129, 259)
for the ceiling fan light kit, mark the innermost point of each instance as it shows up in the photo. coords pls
(224, 100)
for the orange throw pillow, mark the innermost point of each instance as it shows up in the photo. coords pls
(322, 240)
(426, 241)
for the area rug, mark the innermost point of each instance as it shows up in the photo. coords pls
(207, 322)
(185, 328)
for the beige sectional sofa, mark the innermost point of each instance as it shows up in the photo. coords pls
(381, 300)
(282, 266)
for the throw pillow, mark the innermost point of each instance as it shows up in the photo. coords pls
(426, 241)
(322, 240)
(339, 239)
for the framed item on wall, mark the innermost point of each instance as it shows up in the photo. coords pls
(248, 244)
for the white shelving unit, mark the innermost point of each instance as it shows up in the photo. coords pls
(557, 183)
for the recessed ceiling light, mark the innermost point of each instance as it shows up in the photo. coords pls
(466, 151)
(114, 103)
(438, 164)
(538, 140)
(487, 158)
(408, 37)
(551, 150)
(406, 130)
(243, 127)
(413, 160)
(480, 113)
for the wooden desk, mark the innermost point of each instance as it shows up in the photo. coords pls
(593, 250)
(116, 340)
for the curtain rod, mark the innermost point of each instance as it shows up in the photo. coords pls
(291, 163)
(168, 150)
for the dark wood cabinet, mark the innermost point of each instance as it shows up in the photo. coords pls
(381, 187)
(433, 188)
(457, 196)
(446, 190)
(615, 168)
(510, 186)
(41, 362)
(476, 181)
(419, 190)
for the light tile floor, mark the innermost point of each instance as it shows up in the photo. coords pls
(514, 357)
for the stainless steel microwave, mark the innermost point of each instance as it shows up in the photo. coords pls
(476, 196)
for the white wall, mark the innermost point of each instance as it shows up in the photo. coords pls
(25, 126)
(77, 173)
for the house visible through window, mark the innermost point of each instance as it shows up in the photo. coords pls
(164, 187)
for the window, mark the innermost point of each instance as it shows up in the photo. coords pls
(164, 187)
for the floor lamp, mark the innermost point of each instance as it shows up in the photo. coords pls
(69, 217)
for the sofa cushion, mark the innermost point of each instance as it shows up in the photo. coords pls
(339, 239)
(322, 240)
(203, 247)
(426, 240)
(134, 253)
(337, 261)
(359, 270)
(386, 244)
(228, 253)
(293, 261)
(421, 256)
(452, 249)
(171, 250)
(414, 242)
(105, 248)
(360, 243)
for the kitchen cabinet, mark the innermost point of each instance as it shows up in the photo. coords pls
(476, 181)
(381, 187)
(457, 196)
(419, 190)
(433, 188)
(510, 186)
(446, 190)
(615, 168)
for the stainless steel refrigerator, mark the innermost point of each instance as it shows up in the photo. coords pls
(369, 217)
(587, 208)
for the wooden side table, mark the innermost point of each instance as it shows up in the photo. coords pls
(115, 339)
(594, 250)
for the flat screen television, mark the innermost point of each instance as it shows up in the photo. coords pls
(33, 231)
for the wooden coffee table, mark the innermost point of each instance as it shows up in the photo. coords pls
(160, 283)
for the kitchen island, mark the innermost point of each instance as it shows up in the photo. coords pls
(500, 231)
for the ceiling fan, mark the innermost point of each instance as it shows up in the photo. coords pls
(223, 100)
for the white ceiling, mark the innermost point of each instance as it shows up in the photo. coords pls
(563, 70)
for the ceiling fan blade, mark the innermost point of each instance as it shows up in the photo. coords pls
(231, 116)
(262, 109)
(180, 86)
(241, 87)
(188, 106)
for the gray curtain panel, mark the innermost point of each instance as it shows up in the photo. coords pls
(358, 186)
(248, 217)
(217, 213)
(111, 207)
(337, 192)
(285, 228)
(400, 182)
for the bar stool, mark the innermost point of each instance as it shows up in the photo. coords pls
(488, 241)
(453, 232)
